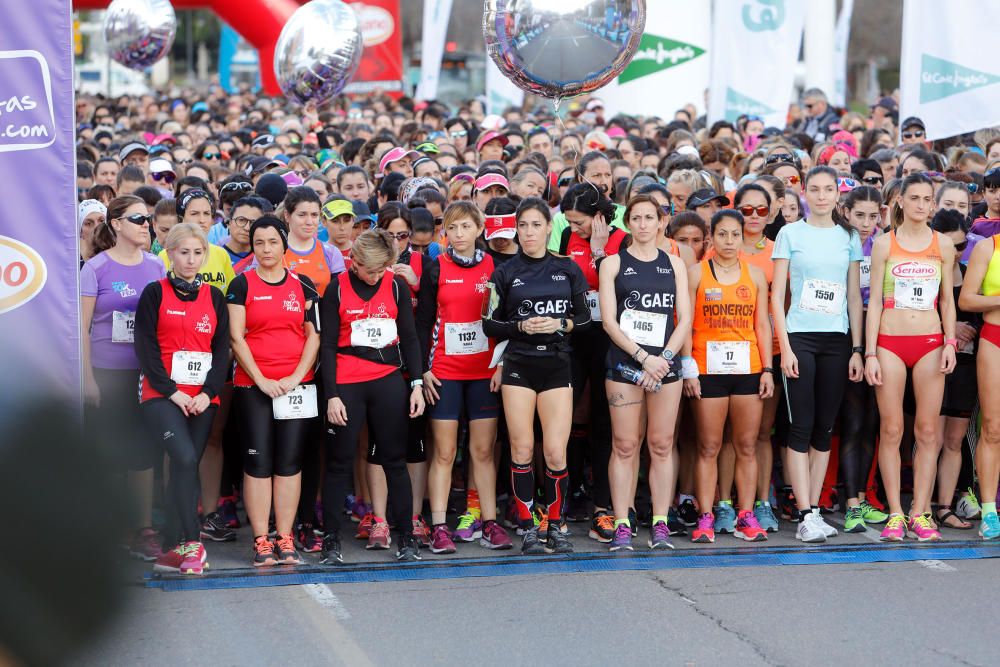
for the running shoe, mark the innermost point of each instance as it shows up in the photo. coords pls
(854, 520)
(441, 542)
(968, 506)
(687, 513)
(408, 549)
(145, 545)
(705, 530)
(214, 528)
(469, 528)
(495, 537)
(725, 517)
(530, 544)
(810, 530)
(379, 538)
(765, 516)
(623, 538)
(195, 559)
(360, 510)
(227, 510)
(602, 528)
(827, 529)
(633, 521)
(659, 536)
(365, 527)
(263, 552)
(286, 550)
(170, 561)
(578, 507)
(895, 529)
(421, 531)
(829, 501)
(922, 529)
(989, 528)
(788, 506)
(310, 541)
(872, 514)
(558, 542)
(748, 529)
(674, 523)
(510, 515)
(331, 553)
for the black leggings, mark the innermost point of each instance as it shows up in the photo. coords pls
(814, 397)
(183, 439)
(116, 425)
(384, 405)
(589, 351)
(858, 430)
(271, 446)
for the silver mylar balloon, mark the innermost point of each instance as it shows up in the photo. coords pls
(562, 48)
(139, 32)
(318, 51)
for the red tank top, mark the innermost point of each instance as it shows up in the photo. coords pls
(182, 326)
(275, 327)
(312, 264)
(362, 324)
(459, 348)
(578, 249)
(347, 258)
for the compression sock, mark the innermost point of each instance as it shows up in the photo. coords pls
(472, 503)
(556, 490)
(522, 483)
(988, 508)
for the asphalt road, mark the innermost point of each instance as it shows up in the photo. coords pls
(567, 52)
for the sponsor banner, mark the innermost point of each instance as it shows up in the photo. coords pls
(755, 46)
(672, 65)
(501, 92)
(946, 79)
(841, 39)
(39, 243)
(436, 15)
(382, 63)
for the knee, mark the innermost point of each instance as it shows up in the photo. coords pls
(991, 430)
(660, 446)
(746, 448)
(625, 448)
(891, 430)
(925, 433)
(184, 460)
(709, 449)
(444, 455)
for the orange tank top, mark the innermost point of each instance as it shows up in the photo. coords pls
(724, 340)
(912, 280)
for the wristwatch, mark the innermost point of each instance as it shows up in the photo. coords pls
(416, 383)
(563, 325)
(668, 354)
(857, 349)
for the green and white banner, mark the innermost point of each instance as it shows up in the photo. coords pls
(755, 45)
(671, 67)
(948, 77)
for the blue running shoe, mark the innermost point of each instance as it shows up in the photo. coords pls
(725, 517)
(623, 538)
(765, 516)
(989, 527)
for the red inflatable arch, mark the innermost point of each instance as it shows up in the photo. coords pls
(258, 21)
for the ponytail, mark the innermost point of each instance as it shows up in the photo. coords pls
(105, 237)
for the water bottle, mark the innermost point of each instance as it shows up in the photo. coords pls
(633, 375)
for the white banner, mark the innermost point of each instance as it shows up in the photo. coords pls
(436, 16)
(671, 67)
(841, 38)
(946, 77)
(501, 92)
(755, 48)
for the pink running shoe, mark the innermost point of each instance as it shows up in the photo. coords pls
(145, 545)
(895, 529)
(495, 537)
(421, 531)
(379, 538)
(922, 529)
(195, 559)
(748, 528)
(441, 542)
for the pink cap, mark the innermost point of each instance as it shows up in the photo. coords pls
(394, 155)
(487, 180)
(490, 136)
(616, 132)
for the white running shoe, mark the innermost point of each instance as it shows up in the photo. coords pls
(827, 529)
(968, 506)
(810, 530)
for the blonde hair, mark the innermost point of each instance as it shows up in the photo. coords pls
(373, 248)
(183, 231)
(688, 177)
(459, 210)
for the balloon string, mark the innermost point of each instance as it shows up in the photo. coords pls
(562, 132)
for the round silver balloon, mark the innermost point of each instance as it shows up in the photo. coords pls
(562, 48)
(318, 51)
(139, 32)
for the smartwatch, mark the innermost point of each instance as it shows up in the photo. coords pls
(857, 349)
(563, 325)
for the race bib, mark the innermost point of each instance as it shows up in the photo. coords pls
(376, 332)
(866, 273)
(644, 328)
(822, 296)
(190, 368)
(299, 403)
(594, 303)
(465, 338)
(728, 357)
(916, 293)
(122, 327)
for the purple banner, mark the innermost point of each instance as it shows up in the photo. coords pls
(39, 240)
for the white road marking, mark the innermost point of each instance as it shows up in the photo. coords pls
(323, 596)
(937, 565)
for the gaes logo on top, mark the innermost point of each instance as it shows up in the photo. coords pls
(22, 273)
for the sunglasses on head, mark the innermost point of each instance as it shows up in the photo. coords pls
(848, 183)
(913, 134)
(165, 176)
(747, 211)
(237, 186)
(139, 219)
(211, 156)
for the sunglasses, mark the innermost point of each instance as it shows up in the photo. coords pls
(399, 236)
(185, 162)
(565, 182)
(791, 180)
(780, 158)
(458, 133)
(165, 176)
(211, 156)
(237, 186)
(438, 221)
(915, 134)
(668, 209)
(972, 187)
(848, 183)
(138, 219)
(747, 211)
(872, 180)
